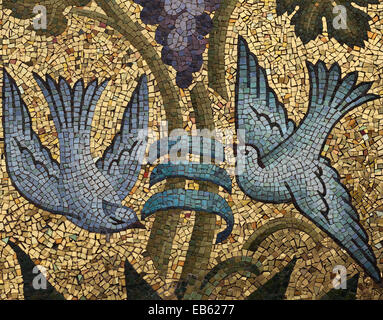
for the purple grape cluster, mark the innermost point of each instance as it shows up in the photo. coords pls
(182, 27)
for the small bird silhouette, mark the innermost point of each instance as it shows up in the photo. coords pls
(278, 162)
(87, 191)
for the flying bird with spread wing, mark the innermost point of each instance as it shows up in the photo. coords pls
(87, 191)
(278, 162)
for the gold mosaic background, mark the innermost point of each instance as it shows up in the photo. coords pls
(90, 266)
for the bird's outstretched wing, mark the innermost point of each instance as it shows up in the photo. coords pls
(324, 200)
(30, 166)
(121, 161)
(260, 116)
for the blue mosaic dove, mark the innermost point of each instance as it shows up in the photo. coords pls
(87, 191)
(278, 162)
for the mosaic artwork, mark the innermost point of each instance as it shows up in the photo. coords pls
(191, 150)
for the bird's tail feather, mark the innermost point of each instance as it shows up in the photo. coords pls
(71, 108)
(332, 96)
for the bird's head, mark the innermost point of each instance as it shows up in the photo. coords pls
(246, 155)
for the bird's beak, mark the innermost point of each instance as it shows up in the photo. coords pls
(137, 225)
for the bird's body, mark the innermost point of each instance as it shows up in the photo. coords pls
(279, 162)
(88, 192)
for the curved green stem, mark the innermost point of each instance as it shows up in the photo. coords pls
(242, 264)
(217, 42)
(275, 225)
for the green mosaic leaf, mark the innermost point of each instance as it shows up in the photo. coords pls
(308, 19)
(56, 22)
(27, 265)
(136, 287)
(344, 294)
(276, 287)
